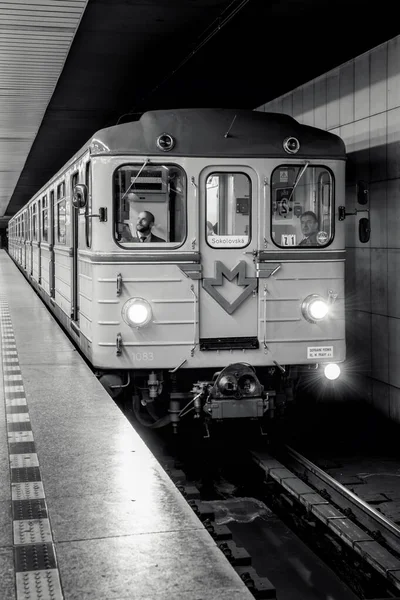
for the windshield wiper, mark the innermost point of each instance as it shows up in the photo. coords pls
(134, 181)
(299, 176)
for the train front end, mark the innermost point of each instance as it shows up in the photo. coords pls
(235, 288)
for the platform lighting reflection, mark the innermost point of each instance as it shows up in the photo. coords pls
(332, 371)
(135, 472)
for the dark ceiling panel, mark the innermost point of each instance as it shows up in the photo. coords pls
(130, 56)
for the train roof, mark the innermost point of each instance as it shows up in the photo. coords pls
(217, 132)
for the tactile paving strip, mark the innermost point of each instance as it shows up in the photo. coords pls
(36, 573)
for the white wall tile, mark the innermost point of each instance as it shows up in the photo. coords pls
(361, 149)
(362, 266)
(350, 282)
(378, 98)
(378, 214)
(394, 352)
(393, 143)
(394, 287)
(394, 404)
(346, 90)
(380, 397)
(379, 282)
(378, 147)
(320, 103)
(358, 329)
(350, 223)
(287, 104)
(393, 213)
(394, 73)
(361, 86)
(347, 135)
(298, 104)
(308, 104)
(332, 97)
(380, 348)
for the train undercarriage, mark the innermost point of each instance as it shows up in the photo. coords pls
(238, 391)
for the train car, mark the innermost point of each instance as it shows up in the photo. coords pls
(196, 258)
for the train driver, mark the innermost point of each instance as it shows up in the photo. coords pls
(309, 228)
(144, 225)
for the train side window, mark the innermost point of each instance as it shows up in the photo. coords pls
(52, 218)
(39, 209)
(45, 219)
(61, 227)
(149, 205)
(61, 190)
(88, 207)
(34, 222)
(228, 210)
(61, 214)
(302, 206)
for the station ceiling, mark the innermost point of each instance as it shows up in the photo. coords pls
(71, 67)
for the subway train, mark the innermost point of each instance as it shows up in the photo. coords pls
(196, 258)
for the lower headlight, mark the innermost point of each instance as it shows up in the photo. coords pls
(228, 384)
(332, 371)
(315, 308)
(247, 384)
(137, 312)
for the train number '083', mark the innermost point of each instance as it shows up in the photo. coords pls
(143, 356)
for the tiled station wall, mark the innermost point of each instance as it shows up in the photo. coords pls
(360, 101)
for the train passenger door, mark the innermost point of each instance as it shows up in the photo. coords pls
(52, 268)
(228, 239)
(24, 237)
(75, 244)
(39, 239)
(30, 258)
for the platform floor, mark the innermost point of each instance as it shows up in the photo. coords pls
(86, 511)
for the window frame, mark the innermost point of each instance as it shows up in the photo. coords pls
(45, 212)
(61, 200)
(156, 246)
(228, 171)
(332, 207)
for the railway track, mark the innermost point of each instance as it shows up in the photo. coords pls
(359, 542)
(355, 540)
(213, 476)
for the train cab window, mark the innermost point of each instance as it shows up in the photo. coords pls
(302, 208)
(61, 214)
(149, 205)
(228, 210)
(45, 219)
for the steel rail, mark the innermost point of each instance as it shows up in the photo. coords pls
(389, 531)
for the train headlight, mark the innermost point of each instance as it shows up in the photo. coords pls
(332, 371)
(137, 312)
(247, 384)
(315, 308)
(228, 384)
